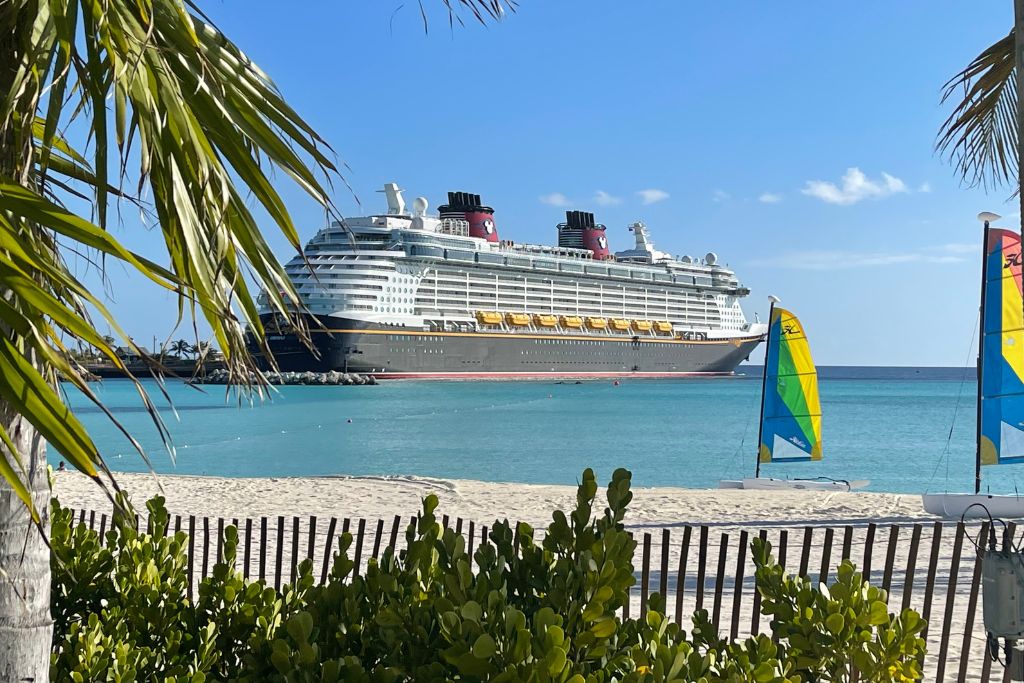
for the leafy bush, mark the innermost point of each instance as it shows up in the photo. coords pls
(529, 611)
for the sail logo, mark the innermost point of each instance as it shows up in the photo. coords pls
(1013, 260)
(797, 441)
(790, 328)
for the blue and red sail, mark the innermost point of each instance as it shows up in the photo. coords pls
(1002, 352)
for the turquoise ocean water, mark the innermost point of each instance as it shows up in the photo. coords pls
(889, 425)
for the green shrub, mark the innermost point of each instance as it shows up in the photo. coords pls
(528, 611)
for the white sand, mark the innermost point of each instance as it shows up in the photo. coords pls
(375, 497)
(727, 515)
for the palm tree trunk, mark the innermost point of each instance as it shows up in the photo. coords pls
(26, 628)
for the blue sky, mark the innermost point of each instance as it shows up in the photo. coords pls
(729, 127)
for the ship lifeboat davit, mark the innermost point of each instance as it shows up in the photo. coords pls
(573, 321)
(597, 323)
(488, 317)
(620, 324)
(546, 320)
(518, 319)
(643, 325)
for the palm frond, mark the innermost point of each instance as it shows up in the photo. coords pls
(483, 11)
(980, 135)
(169, 105)
(43, 304)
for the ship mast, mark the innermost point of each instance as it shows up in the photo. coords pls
(986, 218)
(764, 383)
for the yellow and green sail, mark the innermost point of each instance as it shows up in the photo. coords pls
(792, 410)
(1002, 352)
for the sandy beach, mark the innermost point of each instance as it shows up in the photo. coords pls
(382, 497)
(885, 529)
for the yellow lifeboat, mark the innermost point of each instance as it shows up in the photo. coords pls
(488, 317)
(518, 319)
(597, 323)
(546, 320)
(620, 324)
(663, 326)
(572, 321)
(642, 325)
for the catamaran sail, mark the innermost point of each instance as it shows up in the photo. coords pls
(791, 412)
(790, 421)
(1000, 436)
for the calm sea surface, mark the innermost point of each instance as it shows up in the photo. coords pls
(889, 425)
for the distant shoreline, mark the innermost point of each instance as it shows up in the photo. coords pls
(750, 371)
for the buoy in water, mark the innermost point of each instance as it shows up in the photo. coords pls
(615, 383)
(349, 420)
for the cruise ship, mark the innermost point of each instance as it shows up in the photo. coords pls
(408, 294)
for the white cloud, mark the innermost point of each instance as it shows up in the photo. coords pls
(602, 198)
(925, 187)
(555, 199)
(652, 196)
(855, 186)
(844, 260)
(719, 196)
(770, 198)
(892, 183)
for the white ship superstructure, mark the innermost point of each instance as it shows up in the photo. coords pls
(449, 282)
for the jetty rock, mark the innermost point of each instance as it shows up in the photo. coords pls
(309, 378)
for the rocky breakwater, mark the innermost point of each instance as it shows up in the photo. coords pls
(331, 378)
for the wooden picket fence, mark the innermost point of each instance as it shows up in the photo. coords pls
(930, 567)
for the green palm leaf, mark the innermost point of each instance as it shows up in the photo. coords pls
(980, 135)
(174, 110)
(168, 107)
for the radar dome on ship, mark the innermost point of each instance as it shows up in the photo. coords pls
(711, 258)
(419, 211)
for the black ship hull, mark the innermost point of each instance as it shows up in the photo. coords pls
(394, 352)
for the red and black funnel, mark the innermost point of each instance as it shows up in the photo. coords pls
(480, 217)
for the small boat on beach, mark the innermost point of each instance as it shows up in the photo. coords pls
(790, 421)
(999, 437)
